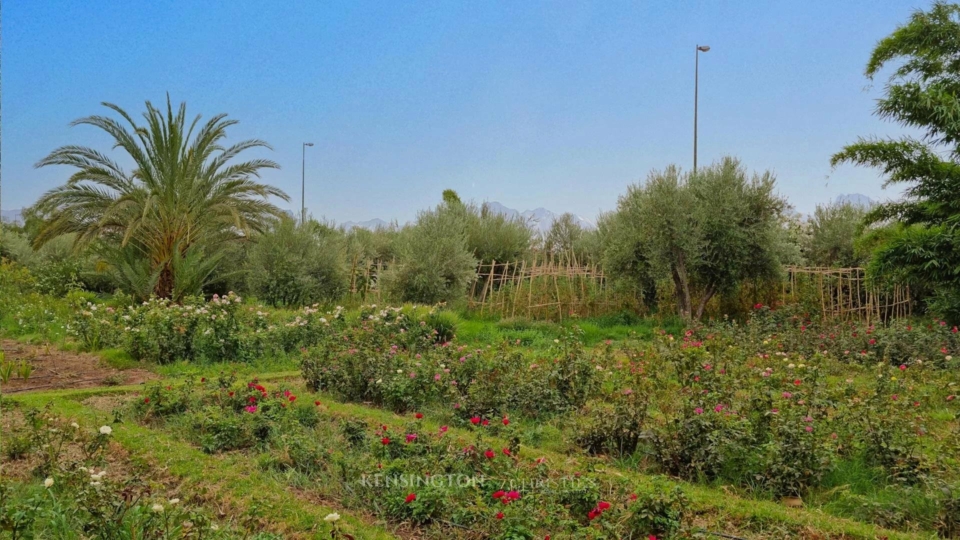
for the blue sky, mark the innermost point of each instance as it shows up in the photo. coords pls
(554, 104)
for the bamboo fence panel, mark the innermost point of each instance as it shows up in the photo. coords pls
(560, 288)
(844, 293)
(544, 289)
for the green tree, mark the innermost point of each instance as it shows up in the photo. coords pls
(492, 236)
(292, 265)
(705, 233)
(433, 262)
(170, 217)
(923, 249)
(564, 238)
(834, 229)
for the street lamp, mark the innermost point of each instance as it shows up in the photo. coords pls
(303, 183)
(696, 89)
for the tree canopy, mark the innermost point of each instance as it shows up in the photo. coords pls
(923, 248)
(703, 232)
(168, 220)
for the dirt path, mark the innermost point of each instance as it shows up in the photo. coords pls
(55, 369)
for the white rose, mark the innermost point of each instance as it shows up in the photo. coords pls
(332, 517)
(48, 482)
(157, 508)
(106, 430)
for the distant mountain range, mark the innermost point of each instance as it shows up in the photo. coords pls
(372, 224)
(856, 199)
(12, 216)
(539, 219)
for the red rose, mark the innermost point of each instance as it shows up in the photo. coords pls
(411, 497)
(489, 454)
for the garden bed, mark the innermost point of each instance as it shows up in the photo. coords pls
(54, 368)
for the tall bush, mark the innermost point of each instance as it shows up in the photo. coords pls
(292, 265)
(492, 236)
(833, 232)
(433, 261)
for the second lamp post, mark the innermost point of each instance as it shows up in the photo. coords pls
(696, 90)
(303, 183)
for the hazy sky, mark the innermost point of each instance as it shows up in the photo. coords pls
(554, 104)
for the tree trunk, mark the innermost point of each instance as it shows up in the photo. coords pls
(683, 288)
(709, 293)
(164, 288)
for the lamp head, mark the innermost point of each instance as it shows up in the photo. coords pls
(308, 144)
(703, 48)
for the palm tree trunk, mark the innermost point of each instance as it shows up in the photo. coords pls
(164, 288)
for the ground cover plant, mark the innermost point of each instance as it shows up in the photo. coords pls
(63, 479)
(698, 406)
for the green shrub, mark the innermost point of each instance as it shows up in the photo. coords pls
(615, 428)
(433, 261)
(657, 512)
(293, 265)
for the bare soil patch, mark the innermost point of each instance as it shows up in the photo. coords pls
(55, 369)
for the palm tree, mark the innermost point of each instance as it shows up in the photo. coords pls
(165, 223)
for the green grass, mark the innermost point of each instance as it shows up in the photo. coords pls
(184, 368)
(473, 329)
(118, 359)
(856, 490)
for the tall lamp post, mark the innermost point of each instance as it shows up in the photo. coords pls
(303, 183)
(696, 90)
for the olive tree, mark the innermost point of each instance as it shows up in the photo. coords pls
(704, 232)
(433, 263)
(833, 233)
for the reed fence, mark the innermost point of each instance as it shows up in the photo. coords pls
(546, 289)
(563, 288)
(845, 293)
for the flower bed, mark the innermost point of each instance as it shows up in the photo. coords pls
(416, 473)
(776, 407)
(62, 479)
